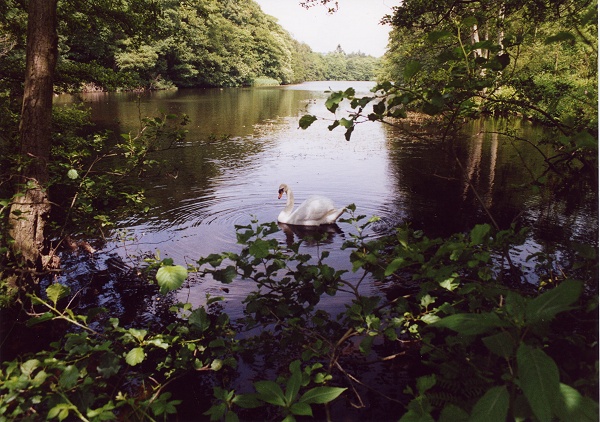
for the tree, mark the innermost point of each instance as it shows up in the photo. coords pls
(31, 205)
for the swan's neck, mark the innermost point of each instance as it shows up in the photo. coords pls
(289, 205)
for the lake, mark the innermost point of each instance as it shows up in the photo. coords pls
(243, 142)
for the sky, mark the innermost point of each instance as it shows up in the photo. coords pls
(355, 26)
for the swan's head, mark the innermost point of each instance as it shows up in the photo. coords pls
(283, 188)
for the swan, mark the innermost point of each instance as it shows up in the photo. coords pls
(316, 210)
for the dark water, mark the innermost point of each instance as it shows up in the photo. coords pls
(243, 142)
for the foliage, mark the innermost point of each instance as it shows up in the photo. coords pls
(97, 373)
(91, 172)
(88, 172)
(163, 44)
(485, 349)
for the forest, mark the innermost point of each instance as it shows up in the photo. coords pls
(165, 44)
(479, 341)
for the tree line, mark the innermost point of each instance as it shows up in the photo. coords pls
(154, 44)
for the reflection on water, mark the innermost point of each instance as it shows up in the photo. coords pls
(310, 235)
(244, 142)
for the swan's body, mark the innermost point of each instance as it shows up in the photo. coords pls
(315, 211)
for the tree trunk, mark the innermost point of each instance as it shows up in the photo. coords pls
(30, 209)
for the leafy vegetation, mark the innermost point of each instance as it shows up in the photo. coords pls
(162, 44)
(480, 340)
(485, 349)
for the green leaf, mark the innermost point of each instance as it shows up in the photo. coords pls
(270, 392)
(572, 406)
(469, 21)
(492, 407)
(294, 382)
(394, 266)
(411, 69)
(539, 380)
(479, 233)
(170, 277)
(225, 275)
(334, 100)
(435, 36)
(199, 319)
(135, 356)
(56, 292)
(260, 248)
(138, 334)
(348, 133)
(72, 174)
(321, 395)
(231, 417)
(68, 378)
(425, 383)
(301, 409)
(60, 411)
(247, 401)
(544, 307)
(561, 36)
(307, 120)
(471, 324)
(501, 344)
(453, 413)
(29, 366)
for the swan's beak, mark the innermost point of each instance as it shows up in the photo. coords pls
(280, 194)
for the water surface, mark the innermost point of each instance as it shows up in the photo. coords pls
(243, 142)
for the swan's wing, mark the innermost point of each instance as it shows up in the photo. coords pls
(315, 208)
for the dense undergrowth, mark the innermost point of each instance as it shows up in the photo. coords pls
(481, 350)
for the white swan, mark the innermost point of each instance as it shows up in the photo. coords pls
(316, 210)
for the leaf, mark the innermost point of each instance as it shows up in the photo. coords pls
(293, 384)
(72, 174)
(425, 383)
(435, 36)
(135, 356)
(411, 69)
(170, 277)
(61, 411)
(68, 378)
(471, 324)
(453, 413)
(394, 266)
(348, 133)
(321, 395)
(259, 248)
(301, 409)
(501, 344)
(492, 407)
(247, 401)
(231, 417)
(56, 292)
(138, 334)
(539, 380)
(199, 319)
(29, 366)
(572, 406)
(225, 275)
(39, 319)
(334, 100)
(216, 365)
(270, 392)
(479, 233)
(559, 37)
(545, 307)
(109, 365)
(307, 120)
